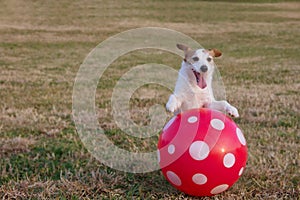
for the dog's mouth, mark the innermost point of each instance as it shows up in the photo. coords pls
(200, 79)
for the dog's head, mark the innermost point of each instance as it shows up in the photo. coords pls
(200, 62)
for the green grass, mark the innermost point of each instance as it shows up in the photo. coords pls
(42, 45)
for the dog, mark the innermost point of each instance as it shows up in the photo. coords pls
(193, 88)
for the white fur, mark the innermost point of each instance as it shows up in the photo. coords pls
(187, 95)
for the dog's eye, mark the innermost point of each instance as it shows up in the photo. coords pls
(209, 59)
(195, 59)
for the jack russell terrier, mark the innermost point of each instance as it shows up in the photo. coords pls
(193, 88)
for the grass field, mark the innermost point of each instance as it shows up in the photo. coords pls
(43, 43)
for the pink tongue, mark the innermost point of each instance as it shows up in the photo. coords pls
(201, 83)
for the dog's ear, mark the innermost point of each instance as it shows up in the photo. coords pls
(183, 47)
(215, 52)
(188, 52)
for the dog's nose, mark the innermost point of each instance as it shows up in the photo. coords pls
(204, 68)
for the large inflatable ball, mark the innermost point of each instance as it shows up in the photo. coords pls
(202, 152)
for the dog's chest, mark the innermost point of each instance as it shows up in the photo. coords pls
(196, 99)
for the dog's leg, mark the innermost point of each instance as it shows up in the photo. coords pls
(224, 106)
(173, 104)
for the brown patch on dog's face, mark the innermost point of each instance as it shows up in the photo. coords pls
(189, 56)
(189, 53)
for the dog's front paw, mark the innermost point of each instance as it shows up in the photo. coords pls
(232, 111)
(172, 104)
(171, 108)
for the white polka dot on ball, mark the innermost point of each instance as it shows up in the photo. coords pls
(217, 124)
(240, 136)
(199, 150)
(241, 171)
(174, 178)
(199, 179)
(219, 189)
(171, 148)
(192, 119)
(229, 160)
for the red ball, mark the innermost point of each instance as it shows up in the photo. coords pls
(202, 152)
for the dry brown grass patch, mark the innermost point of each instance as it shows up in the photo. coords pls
(15, 145)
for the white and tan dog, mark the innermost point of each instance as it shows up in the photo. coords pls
(193, 88)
